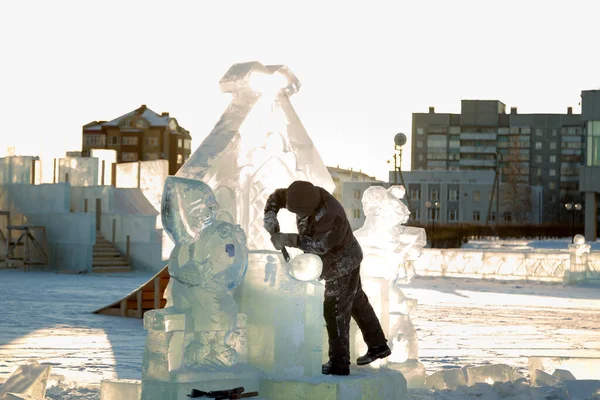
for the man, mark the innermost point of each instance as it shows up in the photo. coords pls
(323, 229)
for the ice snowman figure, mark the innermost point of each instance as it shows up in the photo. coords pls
(209, 260)
(387, 244)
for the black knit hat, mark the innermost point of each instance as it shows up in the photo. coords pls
(302, 198)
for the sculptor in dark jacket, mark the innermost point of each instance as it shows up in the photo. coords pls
(322, 226)
(323, 229)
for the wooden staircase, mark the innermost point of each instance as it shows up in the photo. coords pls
(149, 296)
(107, 258)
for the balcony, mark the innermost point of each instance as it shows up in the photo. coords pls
(477, 163)
(571, 152)
(478, 149)
(477, 136)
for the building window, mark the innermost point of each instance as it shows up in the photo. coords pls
(129, 141)
(180, 143)
(434, 195)
(356, 213)
(492, 217)
(552, 185)
(151, 141)
(552, 172)
(476, 196)
(114, 140)
(554, 132)
(421, 157)
(94, 140)
(538, 172)
(538, 145)
(419, 144)
(180, 159)
(453, 195)
(476, 215)
(452, 215)
(187, 144)
(357, 194)
(552, 145)
(129, 156)
(507, 216)
(552, 159)
(415, 194)
(415, 215)
(539, 132)
(538, 159)
(420, 131)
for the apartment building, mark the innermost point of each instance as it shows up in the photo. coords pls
(544, 150)
(590, 171)
(140, 135)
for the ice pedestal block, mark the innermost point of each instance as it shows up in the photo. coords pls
(414, 372)
(447, 379)
(361, 384)
(30, 379)
(580, 367)
(544, 379)
(112, 389)
(490, 374)
(205, 379)
(285, 323)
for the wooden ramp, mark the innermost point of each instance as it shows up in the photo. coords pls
(147, 297)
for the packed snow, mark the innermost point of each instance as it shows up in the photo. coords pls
(48, 317)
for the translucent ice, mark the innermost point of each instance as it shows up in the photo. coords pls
(258, 145)
(111, 389)
(491, 373)
(306, 267)
(387, 246)
(28, 379)
(199, 326)
(446, 379)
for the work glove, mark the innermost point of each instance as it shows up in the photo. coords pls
(270, 222)
(281, 240)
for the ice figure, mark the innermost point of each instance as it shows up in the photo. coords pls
(209, 260)
(387, 244)
(200, 329)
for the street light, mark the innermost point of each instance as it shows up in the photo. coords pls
(433, 206)
(399, 141)
(572, 206)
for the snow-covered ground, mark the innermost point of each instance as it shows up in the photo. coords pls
(46, 316)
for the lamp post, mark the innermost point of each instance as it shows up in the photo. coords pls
(433, 206)
(572, 206)
(399, 141)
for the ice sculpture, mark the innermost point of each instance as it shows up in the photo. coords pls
(200, 326)
(257, 146)
(387, 244)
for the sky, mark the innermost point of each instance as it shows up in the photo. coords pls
(365, 66)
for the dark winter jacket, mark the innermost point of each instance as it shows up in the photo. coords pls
(326, 232)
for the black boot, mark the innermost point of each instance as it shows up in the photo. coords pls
(374, 353)
(333, 369)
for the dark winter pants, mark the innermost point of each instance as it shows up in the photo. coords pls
(344, 298)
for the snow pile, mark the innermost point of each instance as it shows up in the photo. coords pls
(70, 391)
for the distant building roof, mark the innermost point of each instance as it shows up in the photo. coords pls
(341, 173)
(152, 117)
